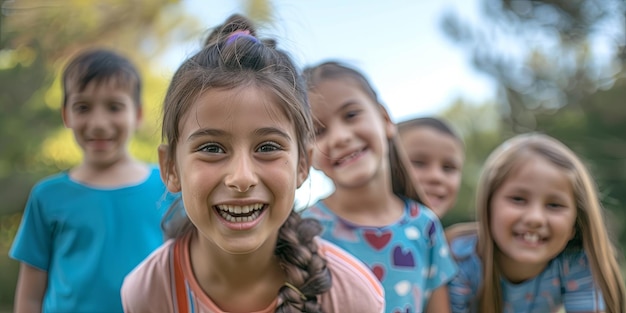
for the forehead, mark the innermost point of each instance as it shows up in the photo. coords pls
(428, 139)
(332, 94)
(537, 171)
(238, 110)
(112, 84)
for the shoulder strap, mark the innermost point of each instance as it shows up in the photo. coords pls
(179, 280)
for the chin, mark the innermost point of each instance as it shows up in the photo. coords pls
(237, 247)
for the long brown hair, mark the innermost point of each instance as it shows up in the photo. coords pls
(590, 231)
(401, 179)
(229, 61)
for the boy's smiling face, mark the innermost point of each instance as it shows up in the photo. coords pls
(103, 117)
(436, 162)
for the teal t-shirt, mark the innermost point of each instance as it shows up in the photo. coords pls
(87, 239)
(410, 257)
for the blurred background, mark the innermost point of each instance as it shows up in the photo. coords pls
(493, 68)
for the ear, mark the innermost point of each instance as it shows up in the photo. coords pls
(169, 174)
(304, 165)
(139, 117)
(64, 117)
(313, 163)
(390, 127)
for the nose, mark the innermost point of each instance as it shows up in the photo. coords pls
(98, 118)
(433, 173)
(338, 135)
(241, 175)
(535, 215)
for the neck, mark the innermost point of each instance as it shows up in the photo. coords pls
(126, 171)
(516, 272)
(373, 204)
(220, 273)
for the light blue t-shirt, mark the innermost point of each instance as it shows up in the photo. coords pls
(410, 257)
(87, 239)
(565, 282)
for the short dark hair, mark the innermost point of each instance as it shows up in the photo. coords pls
(99, 65)
(432, 122)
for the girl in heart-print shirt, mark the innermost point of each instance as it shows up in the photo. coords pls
(376, 211)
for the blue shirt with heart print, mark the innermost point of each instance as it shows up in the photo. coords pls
(410, 257)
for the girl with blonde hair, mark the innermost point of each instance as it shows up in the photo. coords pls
(540, 243)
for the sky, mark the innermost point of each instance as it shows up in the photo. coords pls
(397, 44)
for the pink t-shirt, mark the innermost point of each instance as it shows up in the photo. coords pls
(151, 286)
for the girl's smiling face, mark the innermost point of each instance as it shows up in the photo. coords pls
(532, 217)
(351, 133)
(237, 165)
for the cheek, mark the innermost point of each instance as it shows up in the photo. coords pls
(415, 171)
(455, 181)
(496, 229)
(281, 173)
(318, 157)
(499, 221)
(570, 225)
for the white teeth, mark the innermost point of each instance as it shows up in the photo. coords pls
(348, 157)
(532, 238)
(236, 209)
(227, 211)
(239, 219)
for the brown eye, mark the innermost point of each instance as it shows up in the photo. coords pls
(319, 131)
(449, 168)
(269, 147)
(80, 107)
(418, 163)
(211, 148)
(555, 206)
(517, 199)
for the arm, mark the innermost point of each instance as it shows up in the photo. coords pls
(446, 270)
(439, 301)
(31, 287)
(460, 293)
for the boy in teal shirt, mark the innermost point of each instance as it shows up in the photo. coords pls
(84, 229)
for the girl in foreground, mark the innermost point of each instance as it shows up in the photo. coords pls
(237, 125)
(540, 242)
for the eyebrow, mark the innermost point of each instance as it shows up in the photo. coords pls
(202, 132)
(347, 104)
(265, 131)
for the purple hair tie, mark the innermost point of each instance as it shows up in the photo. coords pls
(240, 33)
